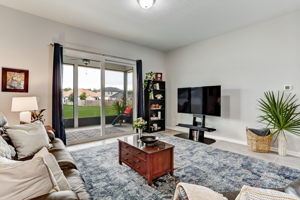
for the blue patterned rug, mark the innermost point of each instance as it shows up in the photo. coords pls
(194, 163)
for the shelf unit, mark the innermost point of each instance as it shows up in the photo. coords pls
(151, 111)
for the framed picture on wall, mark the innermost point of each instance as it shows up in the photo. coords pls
(158, 76)
(14, 80)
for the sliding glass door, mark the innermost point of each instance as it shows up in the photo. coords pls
(98, 99)
(119, 101)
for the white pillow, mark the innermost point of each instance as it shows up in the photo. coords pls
(252, 193)
(54, 167)
(25, 179)
(28, 138)
(6, 150)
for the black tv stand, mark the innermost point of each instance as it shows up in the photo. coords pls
(198, 127)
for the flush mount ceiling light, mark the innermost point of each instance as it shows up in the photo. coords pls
(146, 4)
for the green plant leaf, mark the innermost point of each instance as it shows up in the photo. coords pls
(280, 112)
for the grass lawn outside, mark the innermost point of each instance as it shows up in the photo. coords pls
(88, 111)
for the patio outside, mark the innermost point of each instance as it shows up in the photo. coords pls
(82, 114)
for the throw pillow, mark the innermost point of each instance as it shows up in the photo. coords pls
(6, 150)
(28, 138)
(25, 179)
(37, 126)
(252, 193)
(54, 167)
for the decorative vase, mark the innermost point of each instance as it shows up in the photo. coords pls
(151, 95)
(282, 144)
(140, 131)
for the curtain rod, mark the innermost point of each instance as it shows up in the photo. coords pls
(96, 53)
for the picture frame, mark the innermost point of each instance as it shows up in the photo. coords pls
(158, 76)
(15, 80)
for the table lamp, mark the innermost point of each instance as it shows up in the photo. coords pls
(24, 105)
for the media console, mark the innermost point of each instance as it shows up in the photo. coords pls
(197, 130)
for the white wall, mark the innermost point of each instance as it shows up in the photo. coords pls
(246, 63)
(24, 43)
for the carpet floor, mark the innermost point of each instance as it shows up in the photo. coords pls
(194, 163)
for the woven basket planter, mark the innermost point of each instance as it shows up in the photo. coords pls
(261, 144)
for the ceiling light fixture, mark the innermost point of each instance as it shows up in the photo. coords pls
(146, 4)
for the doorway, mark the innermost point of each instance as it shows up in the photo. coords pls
(98, 98)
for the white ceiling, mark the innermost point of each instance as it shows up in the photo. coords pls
(168, 25)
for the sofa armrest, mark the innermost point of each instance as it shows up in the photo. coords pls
(61, 195)
(51, 135)
(186, 191)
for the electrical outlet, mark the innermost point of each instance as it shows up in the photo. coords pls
(287, 87)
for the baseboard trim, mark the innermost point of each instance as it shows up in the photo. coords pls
(275, 149)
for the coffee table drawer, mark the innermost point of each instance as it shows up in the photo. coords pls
(141, 167)
(134, 162)
(133, 151)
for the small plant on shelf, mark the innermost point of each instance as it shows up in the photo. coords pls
(148, 82)
(281, 115)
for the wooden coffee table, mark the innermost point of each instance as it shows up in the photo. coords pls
(150, 162)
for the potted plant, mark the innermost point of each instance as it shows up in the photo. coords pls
(281, 115)
(140, 125)
(120, 106)
(148, 82)
(38, 116)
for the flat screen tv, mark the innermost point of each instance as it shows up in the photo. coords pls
(184, 100)
(200, 100)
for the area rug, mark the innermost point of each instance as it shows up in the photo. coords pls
(194, 163)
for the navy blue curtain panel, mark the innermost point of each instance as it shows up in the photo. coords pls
(57, 106)
(140, 90)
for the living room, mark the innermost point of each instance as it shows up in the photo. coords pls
(71, 51)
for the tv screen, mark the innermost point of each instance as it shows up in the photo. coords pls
(184, 100)
(206, 100)
(200, 100)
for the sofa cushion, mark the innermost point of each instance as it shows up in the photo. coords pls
(25, 180)
(55, 169)
(28, 138)
(61, 195)
(76, 183)
(64, 158)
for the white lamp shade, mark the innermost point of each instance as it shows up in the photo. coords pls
(21, 104)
